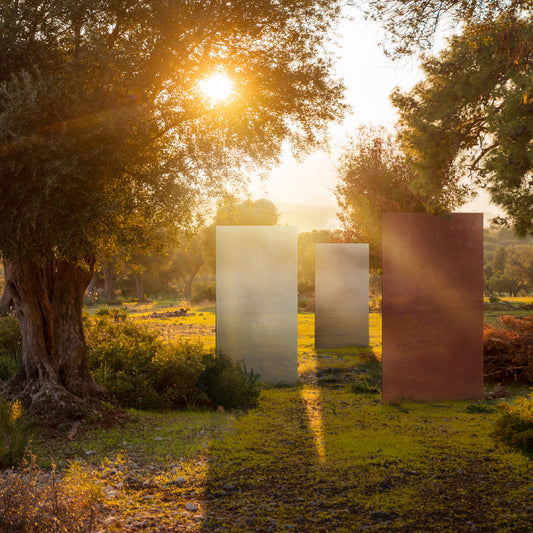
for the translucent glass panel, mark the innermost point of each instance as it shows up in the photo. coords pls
(257, 302)
(432, 306)
(341, 295)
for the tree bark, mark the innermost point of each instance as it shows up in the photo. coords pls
(6, 302)
(141, 296)
(109, 284)
(187, 291)
(54, 378)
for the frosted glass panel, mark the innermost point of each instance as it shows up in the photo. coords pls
(432, 306)
(341, 295)
(257, 303)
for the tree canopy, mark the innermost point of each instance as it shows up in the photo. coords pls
(374, 178)
(105, 133)
(102, 123)
(411, 25)
(472, 116)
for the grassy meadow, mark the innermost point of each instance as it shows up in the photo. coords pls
(322, 455)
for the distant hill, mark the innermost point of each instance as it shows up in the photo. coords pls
(308, 217)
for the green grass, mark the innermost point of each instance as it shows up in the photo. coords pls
(145, 437)
(314, 456)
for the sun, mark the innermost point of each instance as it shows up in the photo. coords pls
(217, 87)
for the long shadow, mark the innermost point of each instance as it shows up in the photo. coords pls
(272, 472)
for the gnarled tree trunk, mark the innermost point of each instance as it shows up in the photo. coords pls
(54, 377)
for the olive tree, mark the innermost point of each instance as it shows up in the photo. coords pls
(103, 129)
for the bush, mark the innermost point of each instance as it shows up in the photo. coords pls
(366, 386)
(515, 426)
(204, 291)
(508, 350)
(32, 501)
(10, 347)
(142, 372)
(227, 383)
(120, 356)
(137, 368)
(13, 434)
(177, 370)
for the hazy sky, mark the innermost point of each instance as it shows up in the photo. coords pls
(370, 78)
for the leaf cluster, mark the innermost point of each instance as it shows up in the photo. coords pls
(411, 25)
(103, 127)
(471, 118)
(375, 177)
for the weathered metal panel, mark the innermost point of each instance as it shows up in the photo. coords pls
(432, 306)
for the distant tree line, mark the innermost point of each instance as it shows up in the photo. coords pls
(508, 263)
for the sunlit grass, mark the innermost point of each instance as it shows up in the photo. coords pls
(314, 456)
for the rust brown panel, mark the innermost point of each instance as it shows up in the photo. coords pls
(432, 306)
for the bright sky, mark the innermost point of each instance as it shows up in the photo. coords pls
(370, 77)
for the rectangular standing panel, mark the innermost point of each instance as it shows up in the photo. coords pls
(432, 306)
(257, 299)
(341, 295)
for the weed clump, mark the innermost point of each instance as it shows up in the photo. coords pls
(31, 500)
(508, 350)
(228, 383)
(13, 434)
(202, 292)
(515, 426)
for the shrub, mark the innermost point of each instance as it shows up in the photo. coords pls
(515, 426)
(177, 370)
(475, 408)
(508, 350)
(142, 372)
(227, 383)
(120, 356)
(137, 368)
(13, 434)
(10, 346)
(366, 386)
(32, 501)
(204, 291)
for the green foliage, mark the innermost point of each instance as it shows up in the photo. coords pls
(306, 257)
(99, 92)
(471, 117)
(411, 24)
(227, 383)
(365, 387)
(508, 263)
(375, 178)
(142, 372)
(515, 426)
(135, 366)
(475, 408)
(204, 291)
(177, 369)
(10, 347)
(13, 434)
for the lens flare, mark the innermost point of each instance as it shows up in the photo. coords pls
(217, 87)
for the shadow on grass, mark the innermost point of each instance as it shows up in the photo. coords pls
(273, 471)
